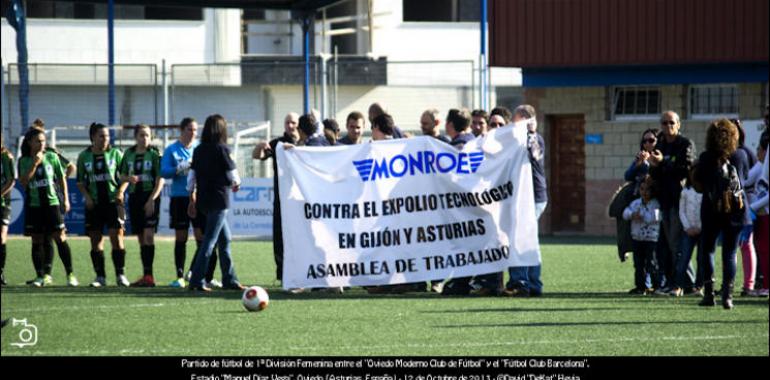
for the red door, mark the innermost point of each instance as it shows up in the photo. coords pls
(568, 195)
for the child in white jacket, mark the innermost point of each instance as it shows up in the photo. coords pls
(689, 214)
(645, 217)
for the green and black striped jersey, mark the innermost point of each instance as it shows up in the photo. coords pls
(145, 165)
(99, 173)
(41, 189)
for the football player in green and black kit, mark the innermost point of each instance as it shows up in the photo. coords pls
(7, 180)
(100, 185)
(39, 172)
(48, 252)
(141, 169)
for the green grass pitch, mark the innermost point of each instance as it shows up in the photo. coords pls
(585, 312)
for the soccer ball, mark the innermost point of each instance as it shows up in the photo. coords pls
(255, 298)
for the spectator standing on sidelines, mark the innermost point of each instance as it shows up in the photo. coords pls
(757, 188)
(429, 123)
(175, 165)
(7, 180)
(141, 169)
(689, 214)
(744, 159)
(263, 151)
(479, 122)
(212, 176)
(355, 125)
(526, 281)
(644, 214)
(723, 211)
(100, 186)
(670, 164)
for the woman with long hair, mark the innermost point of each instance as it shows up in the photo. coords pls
(723, 209)
(102, 190)
(141, 169)
(212, 176)
(39, 172)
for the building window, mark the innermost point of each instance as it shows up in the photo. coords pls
(635, 102)
(441, 10)
(708, 101)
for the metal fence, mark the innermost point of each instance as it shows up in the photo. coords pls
(254, 95)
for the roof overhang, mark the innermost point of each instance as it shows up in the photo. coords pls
(296, 5)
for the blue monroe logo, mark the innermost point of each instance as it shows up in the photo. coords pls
(423, 162)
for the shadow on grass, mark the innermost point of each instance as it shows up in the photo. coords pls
(599, 323)
(577, 240)
(353, 294)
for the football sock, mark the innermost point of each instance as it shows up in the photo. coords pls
(148, 256)
(97, 258)
(65, 255)
(180, 251)
(2, 258)
(119, 260)
(37, 258)
(47, 255)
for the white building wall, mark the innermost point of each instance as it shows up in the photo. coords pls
(215, 39)
(405, 104)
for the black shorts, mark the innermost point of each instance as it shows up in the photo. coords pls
(5, 216)
(179, 218)
(139, 222)
(110, 215)
(43, 220)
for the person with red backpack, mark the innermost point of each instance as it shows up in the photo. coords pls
(723, 209)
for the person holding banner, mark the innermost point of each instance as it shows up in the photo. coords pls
(141, 169)
(38, 170)
(457, 128)
(102, 190)
(355, 125)
(175, 165)
(500, 116)
(7, 180)
(429, 123)
(479, 122)
(209, 186)
(525, 281)
(263, 151)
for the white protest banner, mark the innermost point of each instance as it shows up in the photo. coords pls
(407, 210)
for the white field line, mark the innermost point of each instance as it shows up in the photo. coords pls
(331, 349)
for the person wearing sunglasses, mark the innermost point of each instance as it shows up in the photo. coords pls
(670, 163)
(640, 167)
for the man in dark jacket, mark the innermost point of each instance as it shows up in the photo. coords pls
(670, 164)
(263, 151)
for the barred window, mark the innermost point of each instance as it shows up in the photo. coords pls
(635, 101)
(441, 10)
(711, 100)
